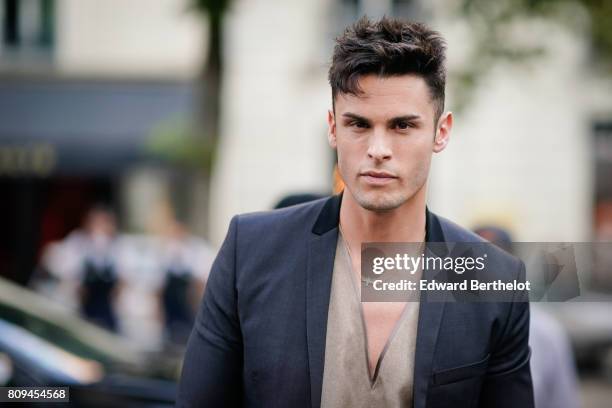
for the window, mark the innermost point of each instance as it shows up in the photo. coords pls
(27, 26)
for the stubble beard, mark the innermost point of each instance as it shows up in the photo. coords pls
(383, 201)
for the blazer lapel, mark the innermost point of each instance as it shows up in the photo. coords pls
(321, 254)
(430, 318)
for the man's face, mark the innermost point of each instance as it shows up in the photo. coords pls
(385, 138)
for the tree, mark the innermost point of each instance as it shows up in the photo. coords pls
(212, 74)
(191, 142)
(491, 21)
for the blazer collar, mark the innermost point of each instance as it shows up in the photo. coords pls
(329, 216)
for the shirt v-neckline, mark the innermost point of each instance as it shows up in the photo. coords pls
(372, 377)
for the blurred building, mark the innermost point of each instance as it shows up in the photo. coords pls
(527, 151)
(273, 125)
(531, 151)
(85, 86)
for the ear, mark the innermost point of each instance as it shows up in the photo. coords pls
(443, 129)
(331, 129)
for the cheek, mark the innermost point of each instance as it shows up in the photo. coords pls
(348, 164)
(349, 153)
(414, 156)
(344, 166)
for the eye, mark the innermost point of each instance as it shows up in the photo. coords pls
(359, 124)
(403, 125)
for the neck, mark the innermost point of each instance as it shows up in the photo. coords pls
(403, 224)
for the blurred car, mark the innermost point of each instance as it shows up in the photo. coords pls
(45, 344)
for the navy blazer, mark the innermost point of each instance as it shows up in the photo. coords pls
(259, 337)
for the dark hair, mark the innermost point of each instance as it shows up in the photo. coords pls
(389, 47)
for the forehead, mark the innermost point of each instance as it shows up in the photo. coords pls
(388, 97)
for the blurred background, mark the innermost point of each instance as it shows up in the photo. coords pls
(131, 132)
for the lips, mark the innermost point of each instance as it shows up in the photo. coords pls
(377, 178)
(378, 174)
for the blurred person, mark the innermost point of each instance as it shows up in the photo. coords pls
(85, 266)
(278, 326)
(553, 367)
(185, 261)
(99, 280)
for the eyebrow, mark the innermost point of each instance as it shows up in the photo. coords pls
(413, 117)
(354, 116)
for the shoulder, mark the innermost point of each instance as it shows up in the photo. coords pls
(497, 257)
(295, 218)
(455, 233)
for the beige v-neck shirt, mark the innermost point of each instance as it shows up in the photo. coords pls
(346, 378)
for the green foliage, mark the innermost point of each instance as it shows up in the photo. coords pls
(213, 8)
(491, 19)
(176, 142)
(492, 22)
(600, 12)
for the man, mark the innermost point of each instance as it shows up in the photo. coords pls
(280, 325)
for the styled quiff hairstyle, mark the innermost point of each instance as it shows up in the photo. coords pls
(389, 47)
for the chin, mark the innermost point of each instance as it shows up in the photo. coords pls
(381, 202)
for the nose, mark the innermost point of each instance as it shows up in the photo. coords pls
(379, 147)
